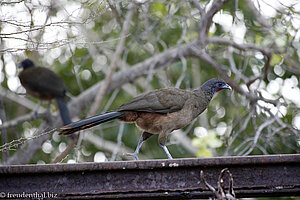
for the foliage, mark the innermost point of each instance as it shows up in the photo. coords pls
(256, 47)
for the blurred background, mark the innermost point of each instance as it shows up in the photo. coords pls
(137, 46)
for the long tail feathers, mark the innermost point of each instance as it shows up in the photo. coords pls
(64, 111)
(89, 122)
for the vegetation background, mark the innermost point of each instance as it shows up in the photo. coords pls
(107, 52)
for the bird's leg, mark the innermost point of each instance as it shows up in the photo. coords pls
(166, 151)
(144, 137)
(35, 111)
(48, 113)
(48, 108)
(162, 139)
(135, 154)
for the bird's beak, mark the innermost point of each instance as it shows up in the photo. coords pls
(20, 65)
(226, 87)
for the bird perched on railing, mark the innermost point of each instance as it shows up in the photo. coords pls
(157, 112)
(44, 84)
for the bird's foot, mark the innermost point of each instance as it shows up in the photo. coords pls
(48, 114)
(134, 155)
(166, 151)
(34, 114)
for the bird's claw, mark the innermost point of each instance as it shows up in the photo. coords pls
(134, 155)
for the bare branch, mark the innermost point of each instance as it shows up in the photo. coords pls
(24, 118)
(10, 2)
(115, 12)
(19, 100)
(198, 6)
(206, 183)
(115, 60)
(3, 130)
(119, 142)
(206, 19)
(292, 66)
(221, 194)
(243, 47)
(66, 152)
(204, 56)
(259, 17)
(257, 134)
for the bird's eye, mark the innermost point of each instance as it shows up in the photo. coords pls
(219, 84)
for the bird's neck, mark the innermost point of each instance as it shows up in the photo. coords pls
(27, 67)
(200, 92)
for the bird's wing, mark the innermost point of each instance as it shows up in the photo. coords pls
(158, 101)
(43, 80)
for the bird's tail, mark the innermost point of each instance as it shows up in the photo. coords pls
(89, 122)
(64, 111)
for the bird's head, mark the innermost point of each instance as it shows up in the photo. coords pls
(26, 63)
(214, 85)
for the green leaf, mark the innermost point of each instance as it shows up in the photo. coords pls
(204, 153)
(158, 10)
(276, 59)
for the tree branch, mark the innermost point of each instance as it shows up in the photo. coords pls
(24, 118)
(115, 60)
(259, 17)
(243, 47)
(206, 19)
(19, 100)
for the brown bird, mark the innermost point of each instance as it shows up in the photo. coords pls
(44, 84)
(157, 112)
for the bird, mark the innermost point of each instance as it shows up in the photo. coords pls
(158, 111)
(44, 84)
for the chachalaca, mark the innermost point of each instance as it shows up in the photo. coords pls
(44, 84)
(157, 112)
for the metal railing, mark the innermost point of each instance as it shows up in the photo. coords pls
(253, 176)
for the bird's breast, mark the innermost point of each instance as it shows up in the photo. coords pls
(43, 96)
(156, 123)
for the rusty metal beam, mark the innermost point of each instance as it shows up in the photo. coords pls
(272, 175)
